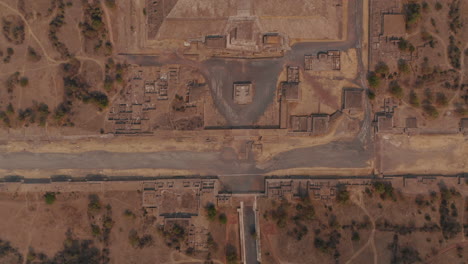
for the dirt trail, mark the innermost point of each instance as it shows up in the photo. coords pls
(359, 202)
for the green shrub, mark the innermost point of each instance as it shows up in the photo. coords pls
(10, 110)
(431, 111)
(455, 18)
(454, 53)
(412, 13)
(371, 94)
(342, 195)
(43, 111)
(280, 214)
(305, 212)
(211, 212)
(382, 69)
(429, 95)
(129, 213)
(107, 223)
(61, 111)
(95, 230)
(94, 204)
(108, 83)
(425, 7)
(24, 81)
(33, 55)
(222, 218)
(13, 29)
(99, 99)
(413, 99)
(441, 99)
(231, 254)
(384, 189)
(427, 217)
(405, 45)
(355, 236)
(10, 51)
(50, 197)
(403, 66)
(12, 81)
(396, 90)
(373, 80)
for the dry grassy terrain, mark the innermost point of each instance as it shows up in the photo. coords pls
(374, 224)
(426, 69)
(106, 227)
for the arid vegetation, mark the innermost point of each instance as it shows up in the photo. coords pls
(54, 26)
(13, 29)
(377, 213)
(432, 82)
(94, 29)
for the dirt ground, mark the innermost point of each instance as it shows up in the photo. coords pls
(433, 86)
(30, 223)
(366, 228)
(422, 154)
(32, 227)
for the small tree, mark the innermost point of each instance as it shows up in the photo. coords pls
(24, 81)
(223, 218)
(371, 94)
(403, 66)
(382, 68)
(385, 189)
(355, 236)
(129, 213)
(405, 45)
(396, 90)
(231, 254)
(412, 13)
(413, 99)
(441, 99)
(49, 197)
(33, 55)
(374, 80)
(425, 7)
(431, 111)
(94, 204)
(342, 195)
(10, 110)
(211, 212)
(95, 230)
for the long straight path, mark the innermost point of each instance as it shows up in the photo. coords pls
(332, 155)
(249, 234)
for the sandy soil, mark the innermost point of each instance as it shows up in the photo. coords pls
(374, 240)
(423, 154)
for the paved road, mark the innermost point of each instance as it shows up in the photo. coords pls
(221, 73)
(249, 231)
